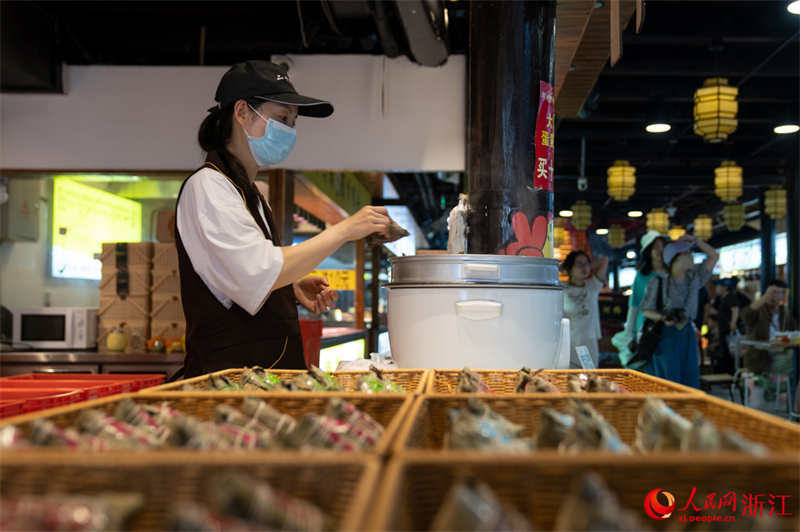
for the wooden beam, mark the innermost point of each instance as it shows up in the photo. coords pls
(281, 200)
(310, 198)
(359, 304)
(572, 17)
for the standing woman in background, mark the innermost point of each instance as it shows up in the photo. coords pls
(651, 264)
(676, 357)
(580, 303)
(240, 285)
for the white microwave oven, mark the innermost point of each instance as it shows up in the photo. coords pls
(55, 327)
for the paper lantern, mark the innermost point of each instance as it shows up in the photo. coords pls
(703, 227)
(616, 236)
(775, 202)
(733, 215)
(676, 231)
(728, 181)
(621, 180)
(558, 236)
(581, 215)
(715, 109)
(657, 220)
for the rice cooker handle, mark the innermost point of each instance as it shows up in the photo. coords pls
(479, 310)
(487, 272)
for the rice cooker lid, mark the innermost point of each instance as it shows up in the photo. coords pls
(474, 269)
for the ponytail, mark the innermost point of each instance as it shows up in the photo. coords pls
(215, 133)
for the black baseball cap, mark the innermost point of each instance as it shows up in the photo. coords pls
(266, 81)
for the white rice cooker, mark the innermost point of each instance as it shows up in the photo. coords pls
(481, 311)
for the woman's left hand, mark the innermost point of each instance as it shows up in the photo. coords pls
(687, 238)
(314, 295)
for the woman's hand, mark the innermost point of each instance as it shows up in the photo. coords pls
(366, 221)
(314, 295)
(687, 238)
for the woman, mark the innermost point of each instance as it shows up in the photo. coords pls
(580, 303)
(239, 287)
(651, 263)
(676, 357)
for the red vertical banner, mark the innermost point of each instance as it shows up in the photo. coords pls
(544, 141)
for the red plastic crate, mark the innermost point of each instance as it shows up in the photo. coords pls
(92, 389)
(10, 408)
(130, 382)
(40, 398)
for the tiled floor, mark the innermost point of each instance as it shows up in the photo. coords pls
(756, 400)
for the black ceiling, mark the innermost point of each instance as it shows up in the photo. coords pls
(681, 44)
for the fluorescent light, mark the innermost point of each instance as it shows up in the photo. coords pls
(565, 213)
(658, 128)
(602, 231)
(794, 8)
(631, 254)
(783, 130)
(635, 214)
(627, 292)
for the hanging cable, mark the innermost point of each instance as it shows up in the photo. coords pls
(302, 29)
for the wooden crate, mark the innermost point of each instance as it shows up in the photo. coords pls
(140, 254)
(131, 308)
(165, 256)
(167, 329)
(413, 487)
(444, 381)
(411, 380)
(387, 409)
(427, 422)
(165, 281)
(167, 307)
(138, 281)
(104, 327)
(342, 486)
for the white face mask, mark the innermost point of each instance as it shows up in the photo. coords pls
(276, 144)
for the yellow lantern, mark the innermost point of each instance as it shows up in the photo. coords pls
(657, 220)
(775, 202)
(581, 215)
(616, 236)
(558, 236)
(676, 231)
(715, 109)
(733, 215)
(621, 180)
(728, 181)
(703, 227)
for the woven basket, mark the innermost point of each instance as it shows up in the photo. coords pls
(167, 307)
(389, 410)
(413, 487)
(165, 255)
(427, 422)
(140, 255)
(104, 327)
(411, 380)
(444, 381)
(131, 308)
(167, 329)
(138, 281)
(341, 486)
(165, 281)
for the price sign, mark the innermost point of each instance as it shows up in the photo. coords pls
(338, 279)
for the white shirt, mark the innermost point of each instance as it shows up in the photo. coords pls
(227, 248)
(582, 309)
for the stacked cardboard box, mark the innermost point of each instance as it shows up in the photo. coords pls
(166, 317)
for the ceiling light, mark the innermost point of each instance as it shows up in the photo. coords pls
(635, 214)
(658, 128)
(794, 7)
(627, 292)
(631, 254)
(784, 130)
(565, 213)
(602, 231)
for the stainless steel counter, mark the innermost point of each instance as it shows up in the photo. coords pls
(86, 357)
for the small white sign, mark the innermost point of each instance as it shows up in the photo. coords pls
(585, 357)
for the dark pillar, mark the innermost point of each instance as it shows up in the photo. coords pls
(793, 238)
(281, 200)
(375, 289)
(512, 46)
(767, 246)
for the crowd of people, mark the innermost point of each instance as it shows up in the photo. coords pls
(669, 306)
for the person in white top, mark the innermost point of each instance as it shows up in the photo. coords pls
(581, 303)
(239, 283)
